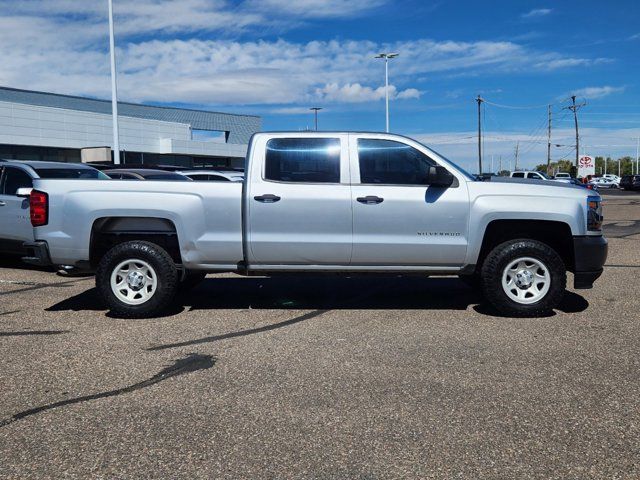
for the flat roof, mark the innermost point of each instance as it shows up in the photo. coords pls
(240, 127)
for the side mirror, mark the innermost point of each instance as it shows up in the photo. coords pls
(439, 176)
(24, 192)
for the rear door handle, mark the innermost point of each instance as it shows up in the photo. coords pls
(2, 204)
(370, 200)
(268, 198)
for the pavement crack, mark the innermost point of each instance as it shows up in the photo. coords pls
(241, 333)
(37, 286)
(33, 332)
(192, 363)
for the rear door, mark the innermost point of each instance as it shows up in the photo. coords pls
(299, 201)
(15, 224)
(398, 220)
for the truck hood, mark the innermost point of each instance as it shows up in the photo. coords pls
(531, 181)
(523, 187)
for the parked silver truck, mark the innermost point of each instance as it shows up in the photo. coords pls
(324, 202)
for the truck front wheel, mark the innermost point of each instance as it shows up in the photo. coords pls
(137, 279)
(524, 278)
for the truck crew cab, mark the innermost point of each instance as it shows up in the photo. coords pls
(325, 202)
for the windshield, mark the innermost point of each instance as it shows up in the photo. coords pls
(77, 173)
(545, 175)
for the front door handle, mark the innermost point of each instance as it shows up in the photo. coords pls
(2, 204)
(268, 198)
(370, 200)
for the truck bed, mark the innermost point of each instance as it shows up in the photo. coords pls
(207, 216)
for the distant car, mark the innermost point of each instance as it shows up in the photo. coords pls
(535, 175)
(145, 174)
(603, 182)
(213, 175)
(588, 186)
(562, 176)
(16, 182)
(611, 176)
(630, 182)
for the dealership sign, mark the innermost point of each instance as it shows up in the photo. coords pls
(586, 166)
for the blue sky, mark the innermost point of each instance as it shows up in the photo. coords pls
(276, 58)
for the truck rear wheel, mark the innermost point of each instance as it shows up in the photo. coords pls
(524, 278)
(137, 279)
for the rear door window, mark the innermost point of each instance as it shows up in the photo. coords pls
(13, 179)
(518, 175)
(303, 160)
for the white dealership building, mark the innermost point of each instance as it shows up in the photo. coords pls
(47, 126)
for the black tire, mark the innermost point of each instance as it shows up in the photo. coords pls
(190, 280)
(165, 271)
(502, 256)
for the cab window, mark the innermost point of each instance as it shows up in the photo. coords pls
(303, 160)
(392, 163)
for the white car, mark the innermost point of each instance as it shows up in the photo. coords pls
(611, 176)
(562, 176)
(602, 182)
(535, 175)
(213, 175)
(16, 182)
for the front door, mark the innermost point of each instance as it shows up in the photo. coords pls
(15, 224)
(299, 201)
(398, 220)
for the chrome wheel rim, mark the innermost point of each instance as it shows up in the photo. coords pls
(526, 280)
(134, 281)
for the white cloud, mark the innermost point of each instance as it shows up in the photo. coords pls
(597, 92)
(537, 12)
(316, 8)
(356, 93)
(634, 37)
(62, 46)
(294, 111)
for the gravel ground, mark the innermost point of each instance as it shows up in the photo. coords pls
(324, 378)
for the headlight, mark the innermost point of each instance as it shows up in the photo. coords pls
(594, 214)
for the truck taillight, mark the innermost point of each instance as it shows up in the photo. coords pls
(39, 206)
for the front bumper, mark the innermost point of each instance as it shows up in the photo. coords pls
(590, 254)
(37, 253)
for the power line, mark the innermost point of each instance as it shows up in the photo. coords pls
(515, 107)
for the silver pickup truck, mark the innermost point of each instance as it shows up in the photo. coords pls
(324, 202)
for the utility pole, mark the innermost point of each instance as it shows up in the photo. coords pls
(637, 155)
(315, 113)
(549, 141)
(517, 151)
(479, 100)
(500, 164)
(619, 163)
(574, 108)
(114, 89)
(492, 164)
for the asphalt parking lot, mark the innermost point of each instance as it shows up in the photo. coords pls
(324, 378)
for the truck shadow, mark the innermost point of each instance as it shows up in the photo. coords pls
(15, 261)
(324, 293)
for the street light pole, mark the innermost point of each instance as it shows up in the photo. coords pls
(315, 112)
(386, 57)
(114, 89)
